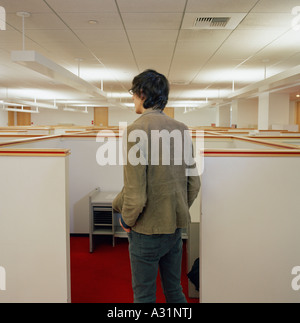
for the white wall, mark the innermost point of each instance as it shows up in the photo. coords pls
(86, 175)
(247, 116)
(3, 118)
(279, 109)
(199, 117)
(55, 117)
(116, 115)
(293, 112)
(245, 113)
(223, 116)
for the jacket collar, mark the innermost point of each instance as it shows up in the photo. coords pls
(151, 110)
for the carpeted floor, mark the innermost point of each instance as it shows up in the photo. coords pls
(104, 276)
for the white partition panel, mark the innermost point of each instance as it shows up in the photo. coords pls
(34, 228)
(86, 174)
(249, 229)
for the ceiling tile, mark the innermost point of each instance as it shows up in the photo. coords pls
(32, 6)
(80, 6)
(266, 21)
(98, 37)
(141, 35)
(152, 21)
(132, 35)
(271, 6)
(143, 6)
(35, 21)
(203, 36)
(107, 20)
(220, 5)
(46, 36)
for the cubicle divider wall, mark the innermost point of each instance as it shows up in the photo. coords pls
(34, 225)
(247, 243)
(249, 239)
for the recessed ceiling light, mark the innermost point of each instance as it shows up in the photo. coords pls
(93, 22)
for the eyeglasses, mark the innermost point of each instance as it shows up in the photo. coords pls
(130, 92)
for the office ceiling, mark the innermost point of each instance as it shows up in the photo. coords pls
(108, 42)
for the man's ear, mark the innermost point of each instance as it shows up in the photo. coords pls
(142, 95)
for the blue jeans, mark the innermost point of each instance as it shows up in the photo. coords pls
(148, 253)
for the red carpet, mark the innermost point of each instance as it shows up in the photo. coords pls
(104, 276)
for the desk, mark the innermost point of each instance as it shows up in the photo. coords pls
(103, 219)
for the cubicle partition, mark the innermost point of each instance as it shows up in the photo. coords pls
(249, 239)
(247, 230)
(86, 173)
(284, 139)
(247, 190)
(34, 225)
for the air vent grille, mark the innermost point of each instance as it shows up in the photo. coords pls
(211, 22)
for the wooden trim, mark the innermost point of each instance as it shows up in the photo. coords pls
(14, 131)
(35, 152)
(256, 140)
(267, 143)
(24, 141)
(275, 137)
(14, 135)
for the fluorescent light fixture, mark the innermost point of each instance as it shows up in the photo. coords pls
(39, 105)
(75, 110)
(22, 110)
(186, 103)
(7, 105)
(37, 62)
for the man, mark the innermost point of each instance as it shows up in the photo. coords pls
(158, 190)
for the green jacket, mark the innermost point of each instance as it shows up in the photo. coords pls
(157, 192)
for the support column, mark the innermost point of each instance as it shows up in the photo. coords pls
(234, 113)
(223, 116)
(273, 111)
(263, 111)
(244, 113)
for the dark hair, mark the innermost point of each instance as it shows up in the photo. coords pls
(154, 87)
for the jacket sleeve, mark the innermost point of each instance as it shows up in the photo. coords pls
(132, 199)
(193, 188)
(117, 203)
